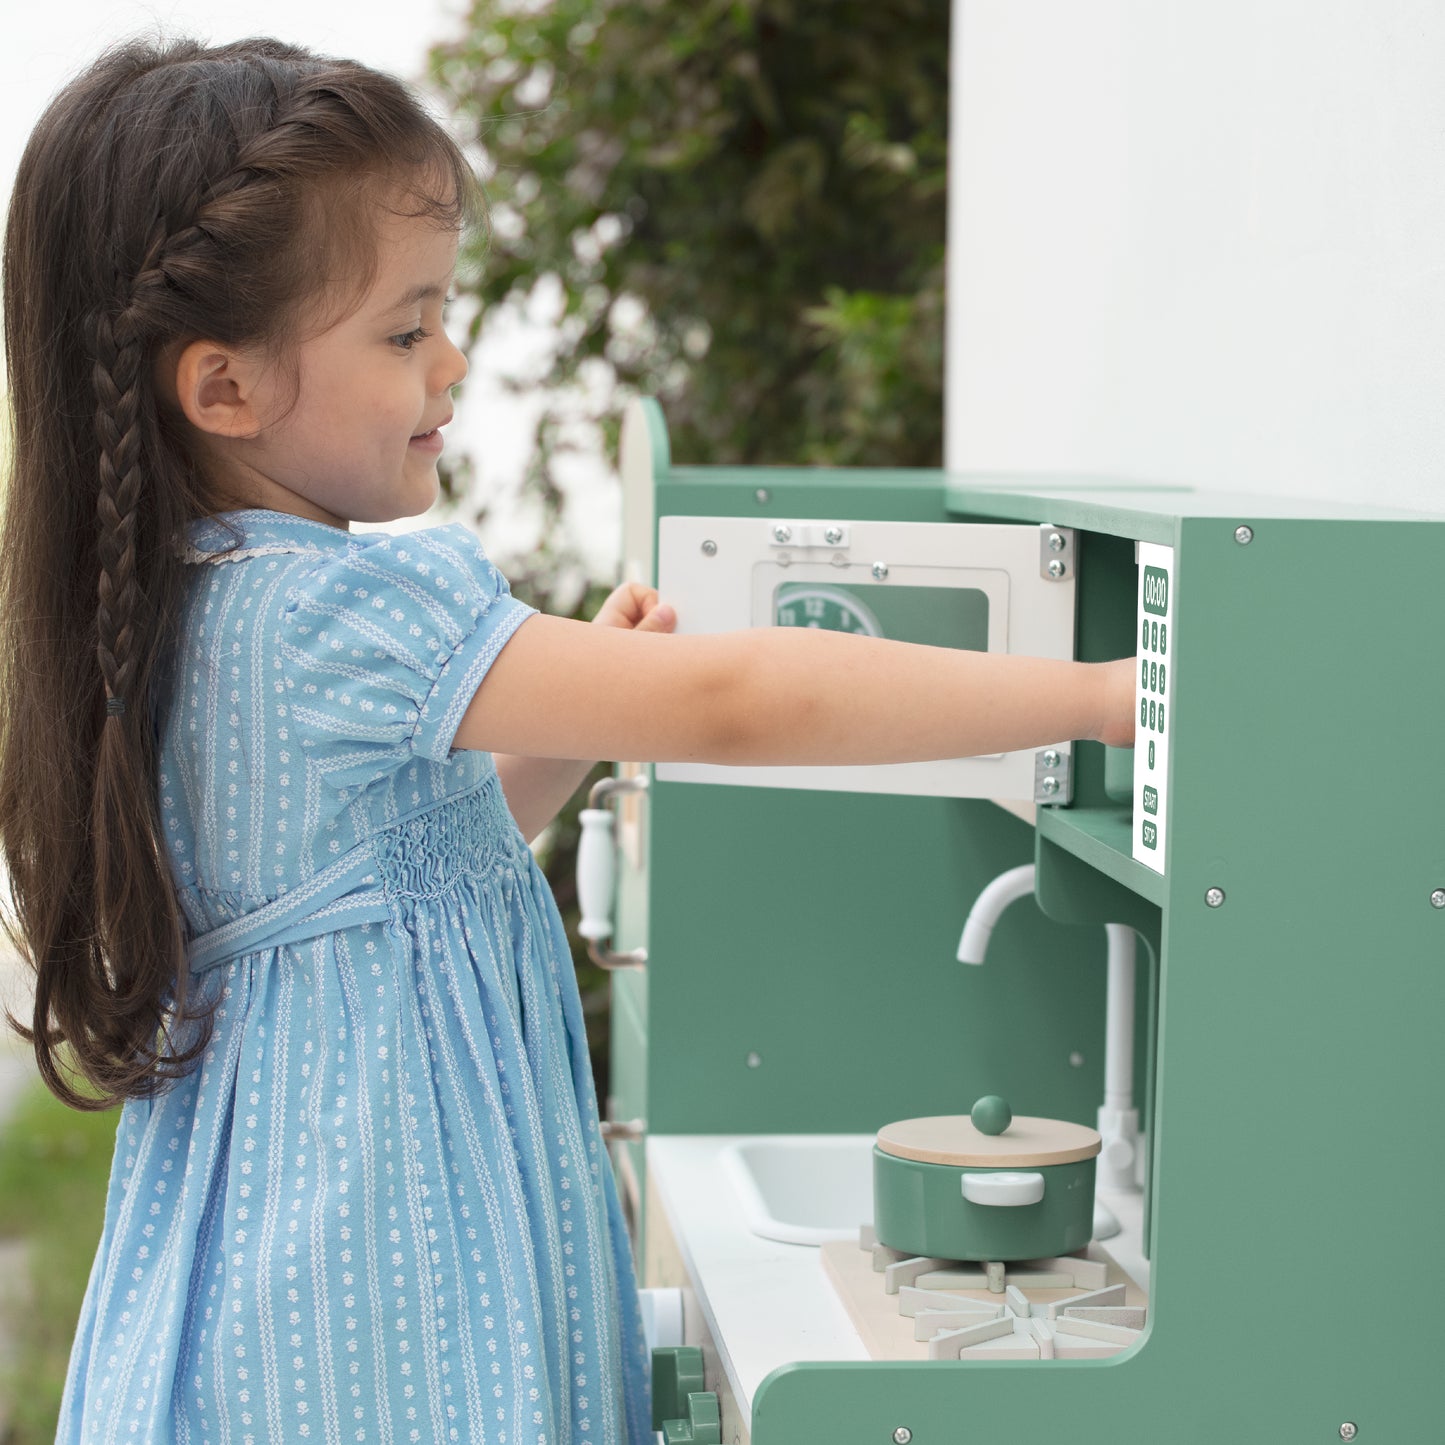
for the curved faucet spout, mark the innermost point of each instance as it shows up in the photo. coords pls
(978, 927)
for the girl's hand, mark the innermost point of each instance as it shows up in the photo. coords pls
(635, 608)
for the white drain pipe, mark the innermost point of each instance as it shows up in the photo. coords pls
(1119, 1119)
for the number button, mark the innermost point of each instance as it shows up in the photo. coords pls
(1163, 638)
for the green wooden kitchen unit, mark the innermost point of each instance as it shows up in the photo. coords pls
(1255, 1040)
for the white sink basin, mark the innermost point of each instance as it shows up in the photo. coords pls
(803, 1188)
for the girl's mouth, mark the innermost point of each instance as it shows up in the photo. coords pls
(428, 441)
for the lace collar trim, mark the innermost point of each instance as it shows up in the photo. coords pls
(257, 532)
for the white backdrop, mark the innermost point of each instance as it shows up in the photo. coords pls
(1201, 243)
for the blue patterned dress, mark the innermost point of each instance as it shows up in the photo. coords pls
(380, 1209)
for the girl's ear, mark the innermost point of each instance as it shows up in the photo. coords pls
(218, 389)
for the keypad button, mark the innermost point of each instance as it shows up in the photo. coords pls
(1154, 677)
(1151, 714)
(1161, 717)
(1161, 680)
(1144, 714)
(1144, 675)
(1154, 645)
(1163, 647)
(1144, 640)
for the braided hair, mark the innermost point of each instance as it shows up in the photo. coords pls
(170, 193)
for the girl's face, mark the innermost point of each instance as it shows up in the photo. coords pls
(351, 432)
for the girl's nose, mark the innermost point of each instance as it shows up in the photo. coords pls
(451, 366)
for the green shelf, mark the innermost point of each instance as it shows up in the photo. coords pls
(1102, 838)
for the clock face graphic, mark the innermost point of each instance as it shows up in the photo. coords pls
(834, 609)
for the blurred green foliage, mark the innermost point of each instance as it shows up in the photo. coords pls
(54, 1163)
(743, 201)
(736, 206)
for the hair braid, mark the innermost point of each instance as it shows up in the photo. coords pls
(118, 379)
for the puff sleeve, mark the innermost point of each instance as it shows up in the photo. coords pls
(381, 647)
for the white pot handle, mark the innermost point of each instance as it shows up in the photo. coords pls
(1007, 1188)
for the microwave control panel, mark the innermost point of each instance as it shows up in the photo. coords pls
(1153, 697)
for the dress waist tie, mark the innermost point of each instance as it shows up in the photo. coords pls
(344, 894)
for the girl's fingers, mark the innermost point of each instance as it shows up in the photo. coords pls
(629, 606)
(659, 618)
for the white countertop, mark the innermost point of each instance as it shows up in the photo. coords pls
(769, 1304)
(766, 1304)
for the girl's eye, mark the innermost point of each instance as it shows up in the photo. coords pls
(407, 339)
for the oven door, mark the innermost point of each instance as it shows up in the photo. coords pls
(993, 588)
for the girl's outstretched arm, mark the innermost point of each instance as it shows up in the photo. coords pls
(536, 788)
(783, 695)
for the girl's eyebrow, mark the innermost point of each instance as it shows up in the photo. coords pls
(425, 291)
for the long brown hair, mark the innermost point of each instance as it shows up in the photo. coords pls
(170, 193)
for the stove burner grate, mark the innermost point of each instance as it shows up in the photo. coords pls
(1008, 1325)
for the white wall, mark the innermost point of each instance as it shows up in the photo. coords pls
(1201, 242)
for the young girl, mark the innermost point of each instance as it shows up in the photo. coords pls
(265, 784)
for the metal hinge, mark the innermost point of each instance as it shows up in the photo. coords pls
(1057, 553)
(1053, 776)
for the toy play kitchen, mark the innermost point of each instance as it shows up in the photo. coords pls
(1047, 1096)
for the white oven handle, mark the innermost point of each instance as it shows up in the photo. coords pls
(597, 873)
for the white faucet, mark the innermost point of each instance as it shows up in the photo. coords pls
(978, 927)
(1118, 1119)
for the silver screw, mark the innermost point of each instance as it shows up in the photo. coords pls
(833, 536)
(782, 533)
(1056, 542)
(1050, 786)
(755, 1060)
(1349, 1430)
(880, 571)
(902, 1435)
(1057, 569)
(1244, 535)
(1215, 897)
(1076, 1060)
(709, 548)
(763, 496)
(1051, 759)
(1437, 898)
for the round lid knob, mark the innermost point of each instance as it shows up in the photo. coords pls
(991, 1115)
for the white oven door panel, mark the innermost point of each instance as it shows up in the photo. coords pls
(985, 587)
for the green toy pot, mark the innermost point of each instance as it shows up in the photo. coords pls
(944, 1188)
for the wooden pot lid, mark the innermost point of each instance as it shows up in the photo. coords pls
(953, 1139)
